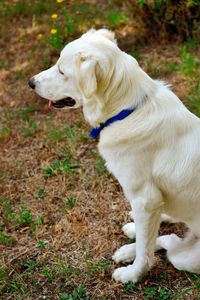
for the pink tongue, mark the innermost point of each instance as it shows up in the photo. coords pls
(49, 105)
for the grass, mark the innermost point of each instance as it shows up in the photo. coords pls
(159, 293)
(70, 202)
(189, 63)
(5, 239)
(41, 192)
(5, 131)
(18, 217)
(193, 99)
(78, 293)
(66, 166)
(129, 286)
(61, 212)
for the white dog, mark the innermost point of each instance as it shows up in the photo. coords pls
(148, 138)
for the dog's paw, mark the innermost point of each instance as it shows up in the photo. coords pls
(125, 274)
(168, 241)
(129, 230)
(125, 254)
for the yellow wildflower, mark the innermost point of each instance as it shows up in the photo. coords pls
(54, 16)
(39, 36)
(53, 31)
(59, 1)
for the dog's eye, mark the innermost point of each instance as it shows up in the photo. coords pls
(62, 73)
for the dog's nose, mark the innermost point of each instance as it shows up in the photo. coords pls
(31, 83)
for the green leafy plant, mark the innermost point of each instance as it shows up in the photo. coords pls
(5, 239)
(30, 126)
(50, 274)
(78, 293)
(48, 171)
(25, 217)
(128, 286)
(41, 193)
(8, 211)
(150, 292)
(41, 244)
(58, 166)
(16, 287)
(31, 265)
(164, 294)
(70, 202)
(159, 293)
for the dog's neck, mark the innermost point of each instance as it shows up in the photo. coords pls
(125, 86)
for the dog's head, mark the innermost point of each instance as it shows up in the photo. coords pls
(78, 73)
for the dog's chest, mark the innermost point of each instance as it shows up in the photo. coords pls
(123, 164)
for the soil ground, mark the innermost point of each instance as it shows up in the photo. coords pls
(61, 212)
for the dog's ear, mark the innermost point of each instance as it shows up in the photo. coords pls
(110, 35)
(87, 74)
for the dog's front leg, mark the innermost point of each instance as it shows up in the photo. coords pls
(147, 212)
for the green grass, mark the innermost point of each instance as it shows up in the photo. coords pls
(5, 239)
(5, 131)
(66, 166)
(98, 266)
(195, 286)
(29, 127)
(79, 293)
(70, 135)
(64, 265)
(31, 108)
(60, 273)
(70, 202)
(8, 210)
(18, 217)
(24, 8)
(194, 99)
(67, 271)
(41, 244)
(116, 18)
(55, 135)
(40, 193)
(128, 286)
(24, 216)
(189, 63)
(30, 265)
(159, 293)
(50, 274)
(100, 166)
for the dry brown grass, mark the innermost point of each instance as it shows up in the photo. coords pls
(64, 246)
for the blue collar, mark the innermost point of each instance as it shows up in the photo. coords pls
(95, 132)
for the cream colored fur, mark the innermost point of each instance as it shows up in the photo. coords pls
(154, 152)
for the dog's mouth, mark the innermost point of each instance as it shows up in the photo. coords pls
(65, 102)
